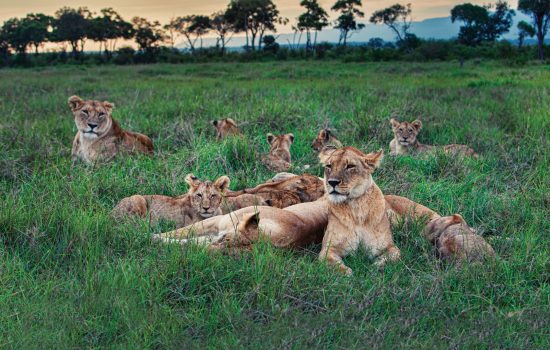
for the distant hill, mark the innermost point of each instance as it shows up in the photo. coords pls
(432, 28)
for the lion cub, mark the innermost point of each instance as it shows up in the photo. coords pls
(456, 241)
(203, 200)
(226, 127)
(99, 137)
(278, 158)
(357, 208)
(325, 138)
(405, 141)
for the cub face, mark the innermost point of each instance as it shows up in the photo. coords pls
(92, 118)
(225, 127)
(348, 172)
(281, 141)
(206, 197)
(405, 132)
(323, 138)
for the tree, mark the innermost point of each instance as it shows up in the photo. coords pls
(171, 29)
(396, 17)
(20, 33)
(13, 34)
(270, 44)
(192, 28)
(109, 28)
(479, 24)
(222, 26)
(254, 17)
(37, 27)
(346, 22)
(525, 30)
(314, 19)
(71, 25)
(200, 26)
(539, 10)
(147, 34)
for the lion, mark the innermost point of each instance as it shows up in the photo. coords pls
(232, 203)
(226, 127)
(357, 208)
(99, 136)
(455, 241)
(202, 201)
(325, 138)
(296, 226)
(405, 141)
(401, 209)
(278, 159)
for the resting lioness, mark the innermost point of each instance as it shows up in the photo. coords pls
(226, 127)
(456, 241)
(99, 137)
(357, 208)
(325, 138)
(405, 141)
(203, 200)
(278, 159)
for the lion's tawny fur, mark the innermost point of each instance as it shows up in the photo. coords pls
(324, 138)
(278, 159)
(226, 127)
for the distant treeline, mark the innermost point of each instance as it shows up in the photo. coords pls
(69, 29)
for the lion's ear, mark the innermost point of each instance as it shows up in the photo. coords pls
(222, 183)
(375, 158)
(192, 181)
(249, 226)
(108, 106)
(417, 124)
(394, 123)
(231, 121)
(325, 153)
(214, 122)
(270, 138)
(458, 219)
(291, 137)
(75, 103)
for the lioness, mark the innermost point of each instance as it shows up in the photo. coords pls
(278, 158)
(203, 200)
(357, 208)
(325, 138)
(405, 141)
(226, 127)
(456, 241)
(99, 137)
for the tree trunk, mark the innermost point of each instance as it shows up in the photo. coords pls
(36, 49)
(308, 39)
(315, 39)
(540, 40)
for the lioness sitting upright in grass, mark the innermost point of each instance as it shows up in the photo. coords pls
(357, 208)
(278, 158)
(226, 127)
(99, 137)
(325, 138)
(203, 200)
(405, 141)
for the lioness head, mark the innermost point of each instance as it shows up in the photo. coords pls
(280, 142)
(92, 118)
(348, 172)
(323, 139)
(225, 127)
(405, 132)
(206, 197)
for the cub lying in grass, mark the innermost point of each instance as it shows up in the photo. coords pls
(325, 138)
(226, 127)
(456, 241)
(203, 200)
(99, 137)
(278, 159)
(357, 208)
(405, 141)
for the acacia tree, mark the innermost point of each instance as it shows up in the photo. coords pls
(346, 23)
(314, 19)
(397, 18)
(14, 34)
(525, 30)
(192, 28)
(479, 24)
(37, 27)
(72, 25)
(539, 11)
(223, 27)
(147, 34)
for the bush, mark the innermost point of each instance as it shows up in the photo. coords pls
(124, 55)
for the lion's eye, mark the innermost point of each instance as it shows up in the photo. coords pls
(400, 129)
(85, 112)
(328, 167)
(199, 195)
(213, 196)
(102, 115)
(410, 130)
(350, 167)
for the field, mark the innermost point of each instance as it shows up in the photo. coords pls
(70, 277)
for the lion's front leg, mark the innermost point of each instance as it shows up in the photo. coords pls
(75, 149)
(337, 243)
(201, 228)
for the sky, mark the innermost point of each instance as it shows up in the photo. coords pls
(163, 10)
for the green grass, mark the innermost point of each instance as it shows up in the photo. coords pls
(70, 277)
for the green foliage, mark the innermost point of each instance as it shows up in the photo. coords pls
(71, 277)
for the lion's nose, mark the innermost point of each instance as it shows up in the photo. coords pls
(333, 182)
(205, 208)
(92, 125)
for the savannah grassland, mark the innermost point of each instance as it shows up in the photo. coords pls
(70, 277)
